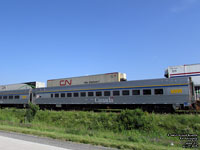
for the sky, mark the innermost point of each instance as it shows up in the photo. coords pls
(50, 39)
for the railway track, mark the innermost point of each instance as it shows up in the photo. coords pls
(176, 112)
(187, 112)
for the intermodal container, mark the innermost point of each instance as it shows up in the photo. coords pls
(90, 79)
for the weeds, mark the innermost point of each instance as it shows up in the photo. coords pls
(127, 129)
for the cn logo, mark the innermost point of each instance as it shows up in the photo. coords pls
(65, 82)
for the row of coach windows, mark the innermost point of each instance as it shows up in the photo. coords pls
(10, 97)
(108, 93)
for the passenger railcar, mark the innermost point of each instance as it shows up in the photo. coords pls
(154, 94)
(15, 98)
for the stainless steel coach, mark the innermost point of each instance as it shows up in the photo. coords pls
(172, 93)
(16, 98)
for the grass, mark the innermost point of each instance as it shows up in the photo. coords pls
(128, 129)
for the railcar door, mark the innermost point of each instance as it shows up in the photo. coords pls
(192, 95)
(30, 96)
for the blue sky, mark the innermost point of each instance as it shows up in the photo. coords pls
(48, 39)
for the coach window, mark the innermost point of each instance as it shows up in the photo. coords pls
(62, 95)
(116, 93)
(106, 93)
(90, 93)
(69, 94)
(10, 97)
(75, 94)
(136, 92)
(51, 95)
(0, 97)
(98, 93)
(56, 95)
(125, 92)
(17, 97)
(147, 92)
(83, 94)
(158, 91)
(4, 97)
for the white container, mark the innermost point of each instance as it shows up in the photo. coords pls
(91, 79)
(192, 71)
(14, 87)
(35, 84)
(40, 84)
(22, 86)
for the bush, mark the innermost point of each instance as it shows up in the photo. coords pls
(31, 112)
(134, 119)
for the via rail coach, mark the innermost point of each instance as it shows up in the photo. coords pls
(152, 94)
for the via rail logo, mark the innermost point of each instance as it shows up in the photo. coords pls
(65, 82)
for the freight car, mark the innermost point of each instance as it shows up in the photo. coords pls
(154, 94)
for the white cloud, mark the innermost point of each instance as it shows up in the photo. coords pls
(183, 5)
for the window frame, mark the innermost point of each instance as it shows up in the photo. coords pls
(83, 94)
(116, 91)
(75, 94)
(159, 93)
(69, 94)
(145, 92)
(57, 95)
(5, 97)
(16, 97)
(107, 92)
(124, 92)
(138, 92)
(62, 95)
(91, 94)
(10, 97)
(98, 93)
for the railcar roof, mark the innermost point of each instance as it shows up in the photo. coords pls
(148, 82)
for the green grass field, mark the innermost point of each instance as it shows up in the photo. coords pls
(129, 129)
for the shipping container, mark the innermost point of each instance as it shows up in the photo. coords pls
(35, 84)
(192, 71)
(90, 79)
(22, 86)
